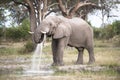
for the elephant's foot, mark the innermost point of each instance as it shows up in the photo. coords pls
(58, 64)
(79, 62)
(91, 61)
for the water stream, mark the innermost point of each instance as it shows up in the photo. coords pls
(38, 65)
(36, 59)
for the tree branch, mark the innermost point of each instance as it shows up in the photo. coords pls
(45, 5)
(52, 5)
(44, 9)
(62, 7)
(54, 10)
(80, 5)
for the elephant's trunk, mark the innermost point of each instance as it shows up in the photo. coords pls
(39, 38)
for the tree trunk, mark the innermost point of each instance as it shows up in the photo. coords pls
(32, 13)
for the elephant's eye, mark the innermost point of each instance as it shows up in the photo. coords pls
(50, 24)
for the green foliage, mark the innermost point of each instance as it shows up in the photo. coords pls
(18, 33)
(2, 16)
(5, 1)
(1, 32)
(108, 32)
(13, 33)
(96, 32)
(24, 28)
(116, 27)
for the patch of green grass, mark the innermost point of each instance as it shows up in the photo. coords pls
(8, 51)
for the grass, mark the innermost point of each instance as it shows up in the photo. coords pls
(105, 54)
(8, 51)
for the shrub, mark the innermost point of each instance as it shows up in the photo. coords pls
(116, 27)
(1, 32)
(28, 47)
(96, 33)
(18, 33)
(107, 32)
(13, 33)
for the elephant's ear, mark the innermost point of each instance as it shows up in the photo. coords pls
(63, 30)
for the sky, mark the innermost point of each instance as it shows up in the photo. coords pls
(96, 19)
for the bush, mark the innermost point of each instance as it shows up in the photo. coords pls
(116, 27)
(28, 47)
(1, 32)
(18, 33)
(13, 33)
(107, 32)
(96, 33)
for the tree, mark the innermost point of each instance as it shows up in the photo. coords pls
(107, 5)
(39, 9)
(2, 22)
(80, 8)
(116, 27)
(18, 33)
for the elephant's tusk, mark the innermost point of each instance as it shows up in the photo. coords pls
(30, 32)
(43, 32)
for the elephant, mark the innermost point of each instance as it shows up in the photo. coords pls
(73, 32)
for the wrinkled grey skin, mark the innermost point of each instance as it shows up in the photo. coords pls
(72, 32)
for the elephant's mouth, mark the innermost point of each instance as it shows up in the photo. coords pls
(40, 39)
(49, 35)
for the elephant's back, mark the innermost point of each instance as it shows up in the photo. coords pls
(79, 22)
(81, 32)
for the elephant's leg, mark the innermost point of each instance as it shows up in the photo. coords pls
(54, 50)
(91, 55)
(58, 46)
(80, 56)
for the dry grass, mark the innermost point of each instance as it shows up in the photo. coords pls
(108, 56)
(105, 55)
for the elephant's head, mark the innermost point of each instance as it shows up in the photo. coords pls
(51, 26)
